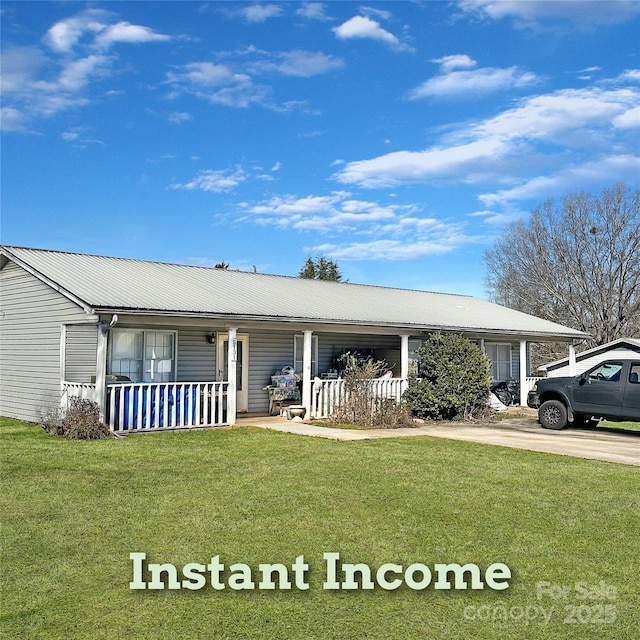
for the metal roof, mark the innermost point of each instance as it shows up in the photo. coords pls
(105, 284)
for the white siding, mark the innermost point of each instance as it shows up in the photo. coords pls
(586, 363)
(30, 321)
(81, 345)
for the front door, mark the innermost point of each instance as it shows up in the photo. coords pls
(242, 368)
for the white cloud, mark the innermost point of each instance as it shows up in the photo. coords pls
(217, 83)
(533, 13)
(129, 33)
(259, 12)
(221, 181)
(312, 11)
(478, 82)
(333, 213)
(416, 166)
(567, 122)
(178, 117)
(12, 119)
(631, 75)
(453, 62)
(76, 74)
(306, 63)
(38, 85)
(391, 249)
(628, 120)
(65, 34)
(604, 171)
(364, 27)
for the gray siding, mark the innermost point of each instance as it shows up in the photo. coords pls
(81, 346)
(196, 357)
(31, 317)
(269, 351)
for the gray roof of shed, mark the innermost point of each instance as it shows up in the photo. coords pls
(104, 284)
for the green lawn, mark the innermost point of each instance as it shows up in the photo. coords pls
(620, 426)
(72, 512)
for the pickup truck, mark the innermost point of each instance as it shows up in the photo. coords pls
(610, 390)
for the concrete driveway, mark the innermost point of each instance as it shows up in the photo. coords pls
(519, 433)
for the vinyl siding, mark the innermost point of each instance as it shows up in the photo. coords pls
(196, 357)
(31, 317)
(81, 346)
(269, 351)
(623, 353)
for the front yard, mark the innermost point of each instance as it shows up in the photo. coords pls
(72, 512)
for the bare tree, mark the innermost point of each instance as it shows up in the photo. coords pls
(577, 264)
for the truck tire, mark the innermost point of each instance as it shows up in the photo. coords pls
(553, 415)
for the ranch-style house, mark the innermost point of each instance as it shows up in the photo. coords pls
(161, 345)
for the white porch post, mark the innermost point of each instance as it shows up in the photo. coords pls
(572, 359)
(523, 373)
(306, 372)
(63, 365)
(232, 369)
(101, 369)
(404, 359)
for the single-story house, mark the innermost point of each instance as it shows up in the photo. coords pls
(169, 345)
(622, 348)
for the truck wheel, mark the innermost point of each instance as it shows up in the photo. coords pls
(553, 415)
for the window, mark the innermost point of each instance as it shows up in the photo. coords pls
(500, 357)
(609, 371)
(298, 354)
(142, 356)
(634, 373)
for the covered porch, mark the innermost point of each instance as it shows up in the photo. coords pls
(134, 406)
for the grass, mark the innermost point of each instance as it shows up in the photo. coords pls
(73, 511)
(619, 426)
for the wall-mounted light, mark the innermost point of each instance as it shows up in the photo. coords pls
(211, 338)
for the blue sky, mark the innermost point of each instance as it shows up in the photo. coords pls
(397, 138)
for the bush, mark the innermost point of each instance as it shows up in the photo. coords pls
(360, 405)
(81, 421)
(453, 380)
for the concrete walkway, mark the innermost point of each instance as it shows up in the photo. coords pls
(519, 433)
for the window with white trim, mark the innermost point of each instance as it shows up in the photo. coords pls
(500, 358)
(142, 356)
(298, 354)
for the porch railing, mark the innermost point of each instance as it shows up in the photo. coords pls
(135, 407)
(86, 391)
(529, 381)
(327, 395)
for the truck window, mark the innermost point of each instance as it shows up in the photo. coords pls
(609, 372)
(634, 373)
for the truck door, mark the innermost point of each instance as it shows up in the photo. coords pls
(631, 404)
(601, 390)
